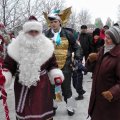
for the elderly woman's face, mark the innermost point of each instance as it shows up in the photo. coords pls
(108, 40)
(33, 33)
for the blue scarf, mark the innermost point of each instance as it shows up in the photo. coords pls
(57, 38)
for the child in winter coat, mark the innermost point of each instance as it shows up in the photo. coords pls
(77, 77)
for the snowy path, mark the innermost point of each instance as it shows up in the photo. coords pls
(82, 106)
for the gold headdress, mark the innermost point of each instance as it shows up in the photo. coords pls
(63, 16)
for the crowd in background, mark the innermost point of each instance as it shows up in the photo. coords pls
(89, 42)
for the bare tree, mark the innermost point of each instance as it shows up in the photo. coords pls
(36, 7)
(53, 4)
(72, 21)
(84, 17)
(78, 19)
(8, 8)
(15, 12)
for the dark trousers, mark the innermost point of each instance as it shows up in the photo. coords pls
(66, 86)
(78, 82)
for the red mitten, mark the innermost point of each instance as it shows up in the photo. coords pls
(58, 81)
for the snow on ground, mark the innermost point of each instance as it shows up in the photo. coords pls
(81, 110)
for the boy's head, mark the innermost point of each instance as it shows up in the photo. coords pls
(83, 29)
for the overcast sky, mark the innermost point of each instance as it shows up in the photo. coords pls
(97, 8)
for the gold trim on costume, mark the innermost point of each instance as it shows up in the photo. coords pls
(61, 52)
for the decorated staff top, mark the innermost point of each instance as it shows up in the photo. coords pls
(63, 16)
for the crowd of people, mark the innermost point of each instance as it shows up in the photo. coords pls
(46, 64)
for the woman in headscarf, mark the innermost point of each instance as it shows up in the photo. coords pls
(105, 95)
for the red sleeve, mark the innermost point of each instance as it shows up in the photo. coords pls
(10, 64)
(52, 63)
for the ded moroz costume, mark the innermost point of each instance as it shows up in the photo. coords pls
(105, 95)
(34, 67)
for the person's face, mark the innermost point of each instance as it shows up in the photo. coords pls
(13, 36)
(108, 40)
(33, 33)
(105, 28)
(83, 30)
(96, 37)
(55, 24)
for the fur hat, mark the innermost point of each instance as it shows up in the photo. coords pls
(32, 18)
(54, 15)
(114, 33)
(32, 25)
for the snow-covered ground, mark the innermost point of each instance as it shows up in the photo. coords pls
(81, 110)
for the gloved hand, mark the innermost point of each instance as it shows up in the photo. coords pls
(92, 57)
(2, 78)
(107, 95)
(58, 81)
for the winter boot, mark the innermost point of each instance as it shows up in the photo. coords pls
(80, 97)
(71, 106)
(55, 107)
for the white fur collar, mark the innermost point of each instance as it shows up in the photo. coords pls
(46, 49)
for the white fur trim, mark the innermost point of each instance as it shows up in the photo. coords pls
(46, 49)
(32, 25)
(38, 55)
(55, 73)
(8, 77)
(54, 16)
(34, 116)
(13, 50)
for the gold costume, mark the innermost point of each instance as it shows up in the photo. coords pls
(61, 52)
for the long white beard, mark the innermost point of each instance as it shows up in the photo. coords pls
(30, 53)
(29, 60)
